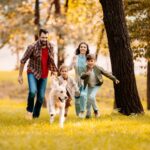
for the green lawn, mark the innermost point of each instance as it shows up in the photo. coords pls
(109, 132)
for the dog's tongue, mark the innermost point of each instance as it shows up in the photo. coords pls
(60, 99)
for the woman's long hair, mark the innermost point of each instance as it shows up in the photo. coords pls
(78, 49)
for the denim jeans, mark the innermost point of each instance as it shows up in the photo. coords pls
(80, 103)
(91, 99)
(36, 88)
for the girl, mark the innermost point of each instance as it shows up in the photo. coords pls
(71, 87)
(79, 64)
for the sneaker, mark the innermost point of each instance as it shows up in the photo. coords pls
(96, 113)
(81, 115)
(29, 115)
(88, 117)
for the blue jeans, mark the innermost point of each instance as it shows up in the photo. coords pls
(80, 103)
(91, 99)
(36, 88)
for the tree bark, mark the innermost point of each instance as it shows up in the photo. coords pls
(60, 32)
(61, 47)
(37, 18)
(66, 5)
(148, 85)
(126, 95)
(57, 7)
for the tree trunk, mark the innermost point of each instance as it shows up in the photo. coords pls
(57, 7)
(61, 47)
(148, 85)
(60, 32)
(66, 5)
(37, 18)
(126, 95)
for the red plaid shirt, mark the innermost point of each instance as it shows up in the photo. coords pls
(34, 54)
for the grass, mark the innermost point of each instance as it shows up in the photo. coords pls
(111, 131)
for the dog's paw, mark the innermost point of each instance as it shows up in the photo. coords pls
(51, 120)
(61, 125)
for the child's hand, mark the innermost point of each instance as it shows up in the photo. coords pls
(88, 72)
(74, 60)
(117, 81)
(77, 93)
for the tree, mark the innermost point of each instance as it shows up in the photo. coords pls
(126, 95)
(14, 32)
(60, 21)
(37, 18)
(55, 21)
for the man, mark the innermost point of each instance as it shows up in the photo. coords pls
(41, 59)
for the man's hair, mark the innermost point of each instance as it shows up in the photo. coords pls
(63, 66)
(90, 57)
(43, 31)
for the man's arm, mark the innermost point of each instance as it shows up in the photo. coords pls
(20, 77)
(25, 57)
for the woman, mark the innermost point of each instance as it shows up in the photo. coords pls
(79, 64)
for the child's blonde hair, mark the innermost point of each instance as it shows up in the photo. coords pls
(63, 66)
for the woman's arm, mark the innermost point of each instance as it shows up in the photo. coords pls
(76, 88)
(73, 63)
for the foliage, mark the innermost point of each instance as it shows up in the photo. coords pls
(16, 22)
(138, 16)
(85, 20)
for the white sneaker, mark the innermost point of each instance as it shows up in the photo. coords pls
(29, 115)
(81, 115)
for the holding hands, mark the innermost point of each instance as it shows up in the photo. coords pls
(20, 79)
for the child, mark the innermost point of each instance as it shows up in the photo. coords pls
(79, 64)
(72, 88)
(93, 80)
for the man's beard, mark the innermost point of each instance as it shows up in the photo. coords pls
(43, 43)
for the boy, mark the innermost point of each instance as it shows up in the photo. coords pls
(93, 80)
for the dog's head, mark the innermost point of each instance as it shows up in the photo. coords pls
(60, 90)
